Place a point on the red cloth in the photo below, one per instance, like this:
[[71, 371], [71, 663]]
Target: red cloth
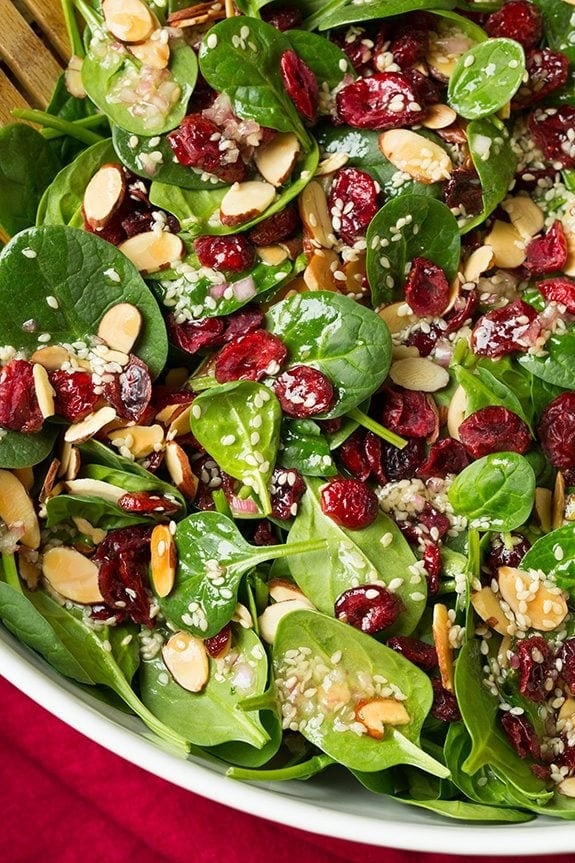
[[68, 800]]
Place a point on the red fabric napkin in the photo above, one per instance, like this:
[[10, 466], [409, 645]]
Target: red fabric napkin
[[66, 799]]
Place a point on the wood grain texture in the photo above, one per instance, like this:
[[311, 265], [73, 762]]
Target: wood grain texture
[[46, 14], [31, 64]]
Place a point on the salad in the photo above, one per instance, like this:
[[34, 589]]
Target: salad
[[287, 388]]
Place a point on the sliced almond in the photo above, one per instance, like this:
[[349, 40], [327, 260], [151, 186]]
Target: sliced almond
[[543, 504], [445, 46], [104, 195], [415, 155], [154, 53], [128, 20], [47, 490], [456, 412], [402, 352], [269, 620], [73, 464], [73, 77], [567, 710], [88, 427], [394, 317], [192, 16], [507, 244], [503, 651], [29, 568], [440, 628], [16, 508], [44, 390], [545, 608], [355, 277], [419, 373], [331, 163], [273, 256], [180, 424], [439, 116], [164, 560], [187, 661], [377, 713], [319, 273], [314, 212], [282, 590], [153, 250], [488, 607], [25, 475], [245, 201], [558, 502], [275, 160], [96, 534], [52, 357], [180, 471], [120, 326], [478, 262], [526, 217], [242, 616], [72, 575], [567, 786], [142, 441], [95, 488], [569, 268]]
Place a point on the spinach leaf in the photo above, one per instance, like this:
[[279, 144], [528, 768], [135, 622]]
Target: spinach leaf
[[558, 22], [355, 557], [484, 389], [212, 716], [349, 343], [99, 512], [338, 12], [495, 163], [554, 554], [486, 77], [557, 366], [238, 424], [245, 756], [325, 59], [305, 448], [340, 665], [27, 167], [495, 492], [133, 482], [462, 810], [23, 450], [212, 558], [67, 264], [405, 228]]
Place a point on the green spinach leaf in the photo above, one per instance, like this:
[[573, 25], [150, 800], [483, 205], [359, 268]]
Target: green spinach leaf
[[305, 448], [486, 78], [554, 554], [557, 366], [23, 450], [495, 163]]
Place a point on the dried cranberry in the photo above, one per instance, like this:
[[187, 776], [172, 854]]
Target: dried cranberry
[[559, 290], [445, 457], [245, 320], [536, 667], [463, 192], [355, 44], [386, 100], [287, 489], [408, 46], [369, 607], [130, 390], [432, 561], [514, 327], [429, 522], [521, 735], [551, 128], [264, 533], [123, 558], [353, 456], [250, 357], [501, 552], [517, 19], [352, 202], [276, 228], [547, 253], [494, 429], [300, 83], [427, 91], [555, 431], [409, 413], [444, 705], [233, 252], [74, 396], [547, 70], [197, 144], [419, 652], [425, 340], [210, 477], [217, 644], [146, 503], [373, 452], [304, 391], [192, 336], [282, 17], [19, 408], [566, 654], [426, 289], [349, 502], [461, 313], [402, 463]]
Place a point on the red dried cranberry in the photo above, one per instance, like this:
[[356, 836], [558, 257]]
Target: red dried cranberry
[[353, 456], [425, 341], [536, 668], [300, 83], [402, 463], [276, 228], [559, 290], [494, 429], [517, 19], [547, 70], [547, 253], [419, 652], [521, 735], [250, 357], [245, 320], [141, 220], [444, 705], [19, 408], [196, 144], [504, 553], [123, 559], [282, 17], [304, 391], [566, 654], [145, 503], [349, 502], [192, 336], [365, 104], [445, 457], [373, 453], [463, 192], [426, 288], [217, 644], [355, 44], [550, 128], [130, 390], [408, 46], [264, 533], [287, 489], [369, 607], [210, 478], [514, 327], [555, 431], [409, 413], [419, 526], [432, 561], [233, 252], [352, 202], [461, 313]]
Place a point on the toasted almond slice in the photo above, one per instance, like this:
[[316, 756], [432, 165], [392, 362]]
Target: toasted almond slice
[[567, 710], [569, 268], [242, 616], [96, 534], [16, 508], [187, 661], [74, 463], [95, 488], [402, 352], [282, 590], [81, 431], [319, 273], [355, 277], [445, 46], [269, 620], [47, 489], [179, 468], [272, 255], [507, 244], [440, 628], [44, 390], [29, 568], [505, 648], [72, 575], [543, 504], [154, 53], [394, 320], [120, 327], [51, 357], [558, 502], [439, 116], [163, 560], [480, 260], [25, 475], [314, 212], [245, 201], [377, 713], [456, 412], [488, 607], [73, 77], [180, 424], [413, 154], [104, 195], [567, 786], [153, 250], [419, 373], [275, 160], [200, 13], [128, 20], [331, 163], [545, 607], [526, 217], [142, 441]]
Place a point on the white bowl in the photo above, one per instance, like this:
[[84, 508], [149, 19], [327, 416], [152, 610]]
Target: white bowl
[[331, 805]]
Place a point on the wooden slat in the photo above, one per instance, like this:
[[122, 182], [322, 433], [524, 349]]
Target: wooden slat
[[10, 98], [48, 16], [29, 60]]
